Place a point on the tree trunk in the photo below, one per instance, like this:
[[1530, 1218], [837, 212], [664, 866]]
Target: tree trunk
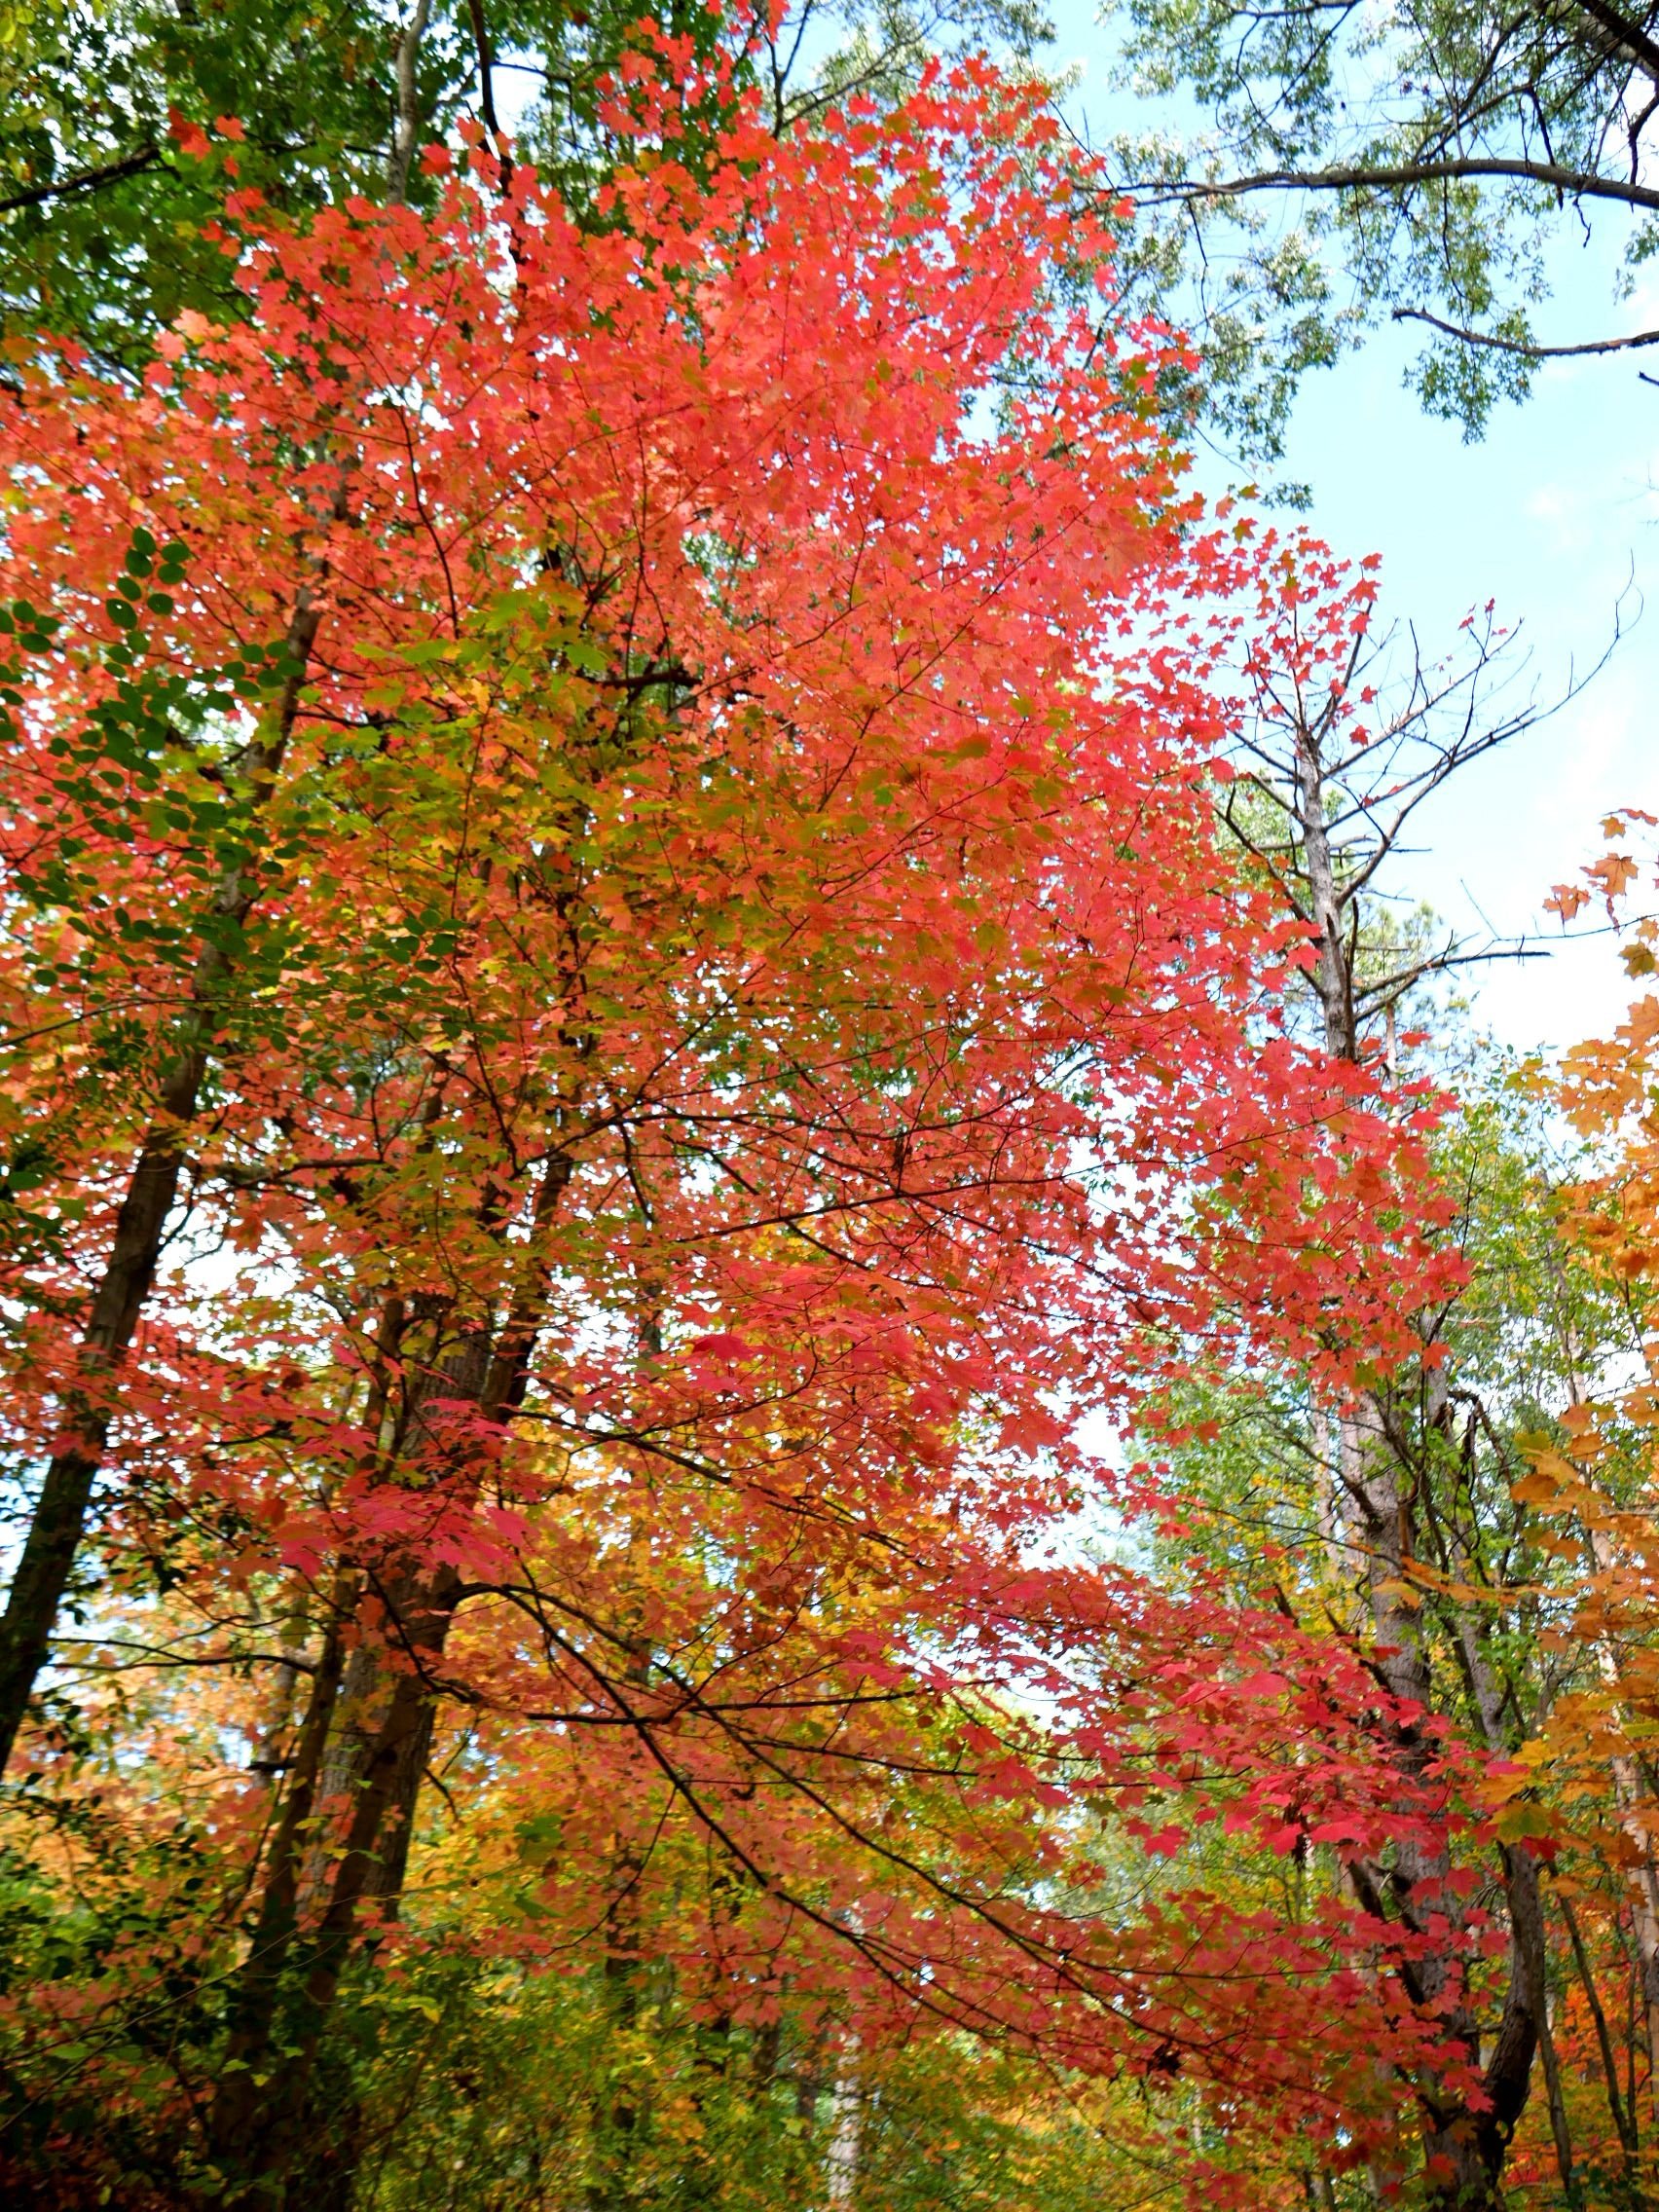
[[260, 1988], [371, 1754], [260, 2129], [344, 1844], [846, 2134], [1465, 2151], [59, 1517], [1641, 1877]]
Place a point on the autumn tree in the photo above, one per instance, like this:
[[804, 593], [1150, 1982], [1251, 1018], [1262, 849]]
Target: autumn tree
[[630, 879], [1399, 1522]]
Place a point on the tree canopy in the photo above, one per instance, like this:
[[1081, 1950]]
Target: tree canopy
[[1425, 163], [786, 1417]]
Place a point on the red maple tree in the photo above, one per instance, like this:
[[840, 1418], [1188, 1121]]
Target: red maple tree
[[613, 825]]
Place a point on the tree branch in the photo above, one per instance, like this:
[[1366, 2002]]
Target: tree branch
[[87, 180], [1630, 38], [1523, 348], [1581, 184], [486, 67]]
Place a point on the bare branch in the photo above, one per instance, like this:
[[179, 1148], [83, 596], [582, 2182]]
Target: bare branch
[[1577, 184], [1524, 348], [86, 180]]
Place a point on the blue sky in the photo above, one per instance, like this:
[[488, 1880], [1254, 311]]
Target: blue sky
[[1553, 516]]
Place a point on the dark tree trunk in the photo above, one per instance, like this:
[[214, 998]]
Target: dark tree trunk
[[372, 1751], [59, 1517], [61, 1511]]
